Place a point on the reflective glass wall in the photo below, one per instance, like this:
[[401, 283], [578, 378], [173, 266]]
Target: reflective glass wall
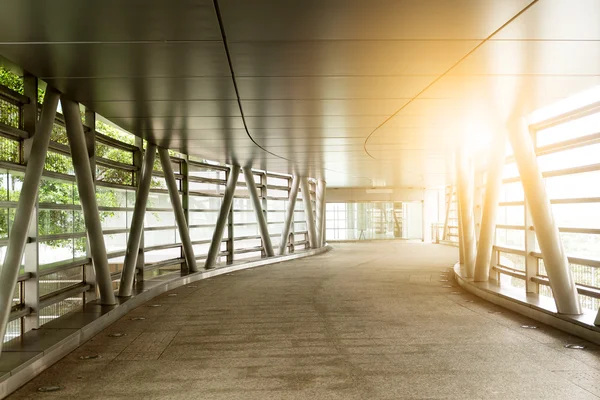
[[374, 220]]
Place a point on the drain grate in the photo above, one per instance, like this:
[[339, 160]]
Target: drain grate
[[48, 389]]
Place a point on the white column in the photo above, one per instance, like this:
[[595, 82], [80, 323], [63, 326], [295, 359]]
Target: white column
[[546, 230], [465, 202]]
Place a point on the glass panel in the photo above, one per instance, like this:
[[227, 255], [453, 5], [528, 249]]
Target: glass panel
[[511, 215], [510, 238], [60, 280], [514, 261], [61, 308]]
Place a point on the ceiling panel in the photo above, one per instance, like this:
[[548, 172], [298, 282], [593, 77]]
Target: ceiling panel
[[315, 78], [294, 20], [557, 20], [107, 20], [347, 58], [118, 60]]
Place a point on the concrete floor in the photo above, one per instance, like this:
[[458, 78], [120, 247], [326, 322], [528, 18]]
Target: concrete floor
[[364, 321]]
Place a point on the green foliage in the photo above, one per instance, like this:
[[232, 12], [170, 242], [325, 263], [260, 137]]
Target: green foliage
[[55, 191]]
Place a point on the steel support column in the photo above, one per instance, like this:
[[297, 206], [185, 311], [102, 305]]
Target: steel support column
[[490, 207], [25, 207], [447, 216], [90, 141], [461, 240], [260, 216], [215, 244], [137, 223], [289, 215], [321, 189], [546, 230], [465, 202], [308, 212], [87, 194], [184, 233]]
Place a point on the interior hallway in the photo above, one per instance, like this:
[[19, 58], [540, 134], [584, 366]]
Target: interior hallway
[[363, 321]]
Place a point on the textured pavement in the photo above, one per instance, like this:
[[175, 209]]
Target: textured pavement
[[364, 321]]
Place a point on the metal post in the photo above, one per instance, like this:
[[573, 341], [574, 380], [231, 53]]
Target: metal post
[[308, 212], [531, 262], [184, 233], [138, 160], [321, 187], [87, 194], [447, 216], [90, 141], [289, 214], [215, 244], [465, 202], [546, 230], [137, 223], [461, 240], [31, 287], [260, 216], [477, 204], [490, 208], [25, 208]]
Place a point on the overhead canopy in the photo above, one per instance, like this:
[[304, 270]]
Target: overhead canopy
[[362, 93]]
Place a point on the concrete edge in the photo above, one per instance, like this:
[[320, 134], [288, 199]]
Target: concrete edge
[[29, 369], [565, 323]]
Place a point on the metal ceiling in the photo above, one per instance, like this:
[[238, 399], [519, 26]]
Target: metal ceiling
[[316, 79]]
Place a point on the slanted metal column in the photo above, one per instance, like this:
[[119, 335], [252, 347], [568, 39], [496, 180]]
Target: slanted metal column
[[25, 208], [90, 141], [447, 216], [137, 223], [31, 286], [308, 212], [461, 240], [321, 187], [260, 216], [215, 244], [465, 202], [490, 208], [87, 194], [184, 233], [546, 230], [289, 215]]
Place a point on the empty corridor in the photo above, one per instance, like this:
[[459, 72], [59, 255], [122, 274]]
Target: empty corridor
[[363, 321]]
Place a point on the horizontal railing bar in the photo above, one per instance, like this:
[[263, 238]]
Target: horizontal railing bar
[[11, 96], [206, 194], [248, 250], [108, 163], [195, 210], [24, 277], [73, 264], [573, 260], [512, 227], [578, 200], [161, 174], [162, 247], [590, 231], [160, 228], [64, 207], [115, 209], [158, 209], [208, 166], [109, 141], [510, 271], [581, 289], [115, 185], [511, 203], [63, 294], [510, 250], [19, 311], [12, 132], [60, 148], [246, 237], [200, 179], [566, 117], [116, 254], [278, 187], [164, 263], [60, 236], [115, 231], [568, 144]]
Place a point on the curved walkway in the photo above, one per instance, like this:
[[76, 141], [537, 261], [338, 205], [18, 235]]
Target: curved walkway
[[364, 321]]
